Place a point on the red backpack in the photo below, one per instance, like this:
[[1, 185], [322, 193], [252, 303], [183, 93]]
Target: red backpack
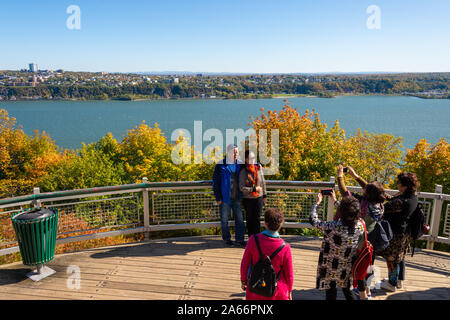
[[360, 268]]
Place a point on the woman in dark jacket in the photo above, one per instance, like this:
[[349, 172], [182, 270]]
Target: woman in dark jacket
[[253, 188], [397, 212]]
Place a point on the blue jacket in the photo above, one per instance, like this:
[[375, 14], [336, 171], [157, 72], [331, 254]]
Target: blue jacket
[[222, 181]]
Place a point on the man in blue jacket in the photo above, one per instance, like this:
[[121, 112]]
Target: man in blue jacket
[[228, 195]]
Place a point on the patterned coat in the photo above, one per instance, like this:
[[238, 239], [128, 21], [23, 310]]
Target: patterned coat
[[338, 252]]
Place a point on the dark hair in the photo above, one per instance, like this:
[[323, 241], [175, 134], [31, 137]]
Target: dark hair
[[409, 180], [349, 209], [274, 218], [374, 192]]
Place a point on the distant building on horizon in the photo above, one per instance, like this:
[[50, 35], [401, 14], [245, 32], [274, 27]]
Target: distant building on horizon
[[33, 67]]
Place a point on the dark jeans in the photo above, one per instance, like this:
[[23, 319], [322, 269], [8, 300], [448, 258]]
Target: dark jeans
[[253, 209], [396, 272], [225, 212], [331, 294]]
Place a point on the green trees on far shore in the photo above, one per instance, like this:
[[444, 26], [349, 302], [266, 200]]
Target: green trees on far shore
[[236, 86]]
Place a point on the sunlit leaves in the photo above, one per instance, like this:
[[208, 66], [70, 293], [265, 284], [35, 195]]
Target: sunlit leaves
[[311, 151], [431, 164]]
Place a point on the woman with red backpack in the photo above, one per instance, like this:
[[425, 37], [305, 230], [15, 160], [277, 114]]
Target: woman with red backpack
[[344, 242], [372, 209]]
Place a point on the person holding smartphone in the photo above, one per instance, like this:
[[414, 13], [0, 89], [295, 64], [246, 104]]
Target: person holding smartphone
[[397, 212], [342, 241], [372, 210]]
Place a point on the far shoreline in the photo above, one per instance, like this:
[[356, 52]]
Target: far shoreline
[[276, 96]]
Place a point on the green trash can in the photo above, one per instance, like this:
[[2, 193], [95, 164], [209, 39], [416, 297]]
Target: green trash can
[[36, 233]]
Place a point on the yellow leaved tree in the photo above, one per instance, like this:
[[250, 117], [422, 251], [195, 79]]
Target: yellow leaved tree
[[430, 163]]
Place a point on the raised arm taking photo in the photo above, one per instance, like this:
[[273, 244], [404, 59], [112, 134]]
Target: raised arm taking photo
[[341, 182], [314, 219]]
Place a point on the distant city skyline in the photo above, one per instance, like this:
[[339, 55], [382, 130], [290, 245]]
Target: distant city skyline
[[231, 37], [33, 67]]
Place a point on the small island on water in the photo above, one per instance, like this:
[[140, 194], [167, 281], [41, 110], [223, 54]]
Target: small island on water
[[34, 84]]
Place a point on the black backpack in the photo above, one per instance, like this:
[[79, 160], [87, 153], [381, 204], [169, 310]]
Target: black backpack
[[416, 225], [263, 279], [381, 235]]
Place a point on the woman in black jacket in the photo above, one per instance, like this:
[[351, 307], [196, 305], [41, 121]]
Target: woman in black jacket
[[397, 212]]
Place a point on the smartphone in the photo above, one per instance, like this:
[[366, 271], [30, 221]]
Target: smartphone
[[345, 169], [326, 192]]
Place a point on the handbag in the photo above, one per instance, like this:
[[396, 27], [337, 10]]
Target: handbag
[[362, 265]]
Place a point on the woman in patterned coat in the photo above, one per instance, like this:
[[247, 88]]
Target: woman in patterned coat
[[341, 242]]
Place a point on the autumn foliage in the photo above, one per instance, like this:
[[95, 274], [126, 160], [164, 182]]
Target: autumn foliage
[[309, 150], [431, 164]]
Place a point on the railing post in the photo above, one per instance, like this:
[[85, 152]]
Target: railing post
[[330, 202], [36, 203], [435, 217], [146, 205]]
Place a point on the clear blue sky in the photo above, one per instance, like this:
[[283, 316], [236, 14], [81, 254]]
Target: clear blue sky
[[226, 35]]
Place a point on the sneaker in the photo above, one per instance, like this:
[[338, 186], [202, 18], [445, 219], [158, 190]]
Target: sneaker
[[241, 243], [386, 285], [399, 284], [229, 243], [369, 295]]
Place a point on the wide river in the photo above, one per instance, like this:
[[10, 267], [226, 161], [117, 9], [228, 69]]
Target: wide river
[[70, 123]]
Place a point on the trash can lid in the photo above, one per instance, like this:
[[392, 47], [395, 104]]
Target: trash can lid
[[34, 214]]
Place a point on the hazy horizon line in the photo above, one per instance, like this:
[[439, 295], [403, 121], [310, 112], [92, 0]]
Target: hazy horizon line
[[169, 72]]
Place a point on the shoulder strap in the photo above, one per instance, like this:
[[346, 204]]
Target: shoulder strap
[[365, 230], [259, 248], [273, 254], [277, 251]]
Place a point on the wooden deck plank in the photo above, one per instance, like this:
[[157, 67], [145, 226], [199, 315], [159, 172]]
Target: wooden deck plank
[[199, 268], [233, 272]]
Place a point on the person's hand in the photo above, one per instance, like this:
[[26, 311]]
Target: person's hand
[[219, 203], [319, 198], [243, 286], [290, 295], [333, 195], [352, 172], [340, 171], [258, 189], [264, 200]]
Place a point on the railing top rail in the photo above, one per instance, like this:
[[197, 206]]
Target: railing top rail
[[7, 202], [76, 192], [429, 195]]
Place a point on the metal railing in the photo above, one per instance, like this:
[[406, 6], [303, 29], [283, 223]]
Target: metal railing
[[155, 206]]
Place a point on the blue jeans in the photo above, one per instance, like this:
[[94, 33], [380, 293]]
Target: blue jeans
[[225, 211]]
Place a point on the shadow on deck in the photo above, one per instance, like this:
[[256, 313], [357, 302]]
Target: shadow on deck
[[197, 268]]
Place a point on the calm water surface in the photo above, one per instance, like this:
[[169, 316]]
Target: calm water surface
[[70, 123]]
